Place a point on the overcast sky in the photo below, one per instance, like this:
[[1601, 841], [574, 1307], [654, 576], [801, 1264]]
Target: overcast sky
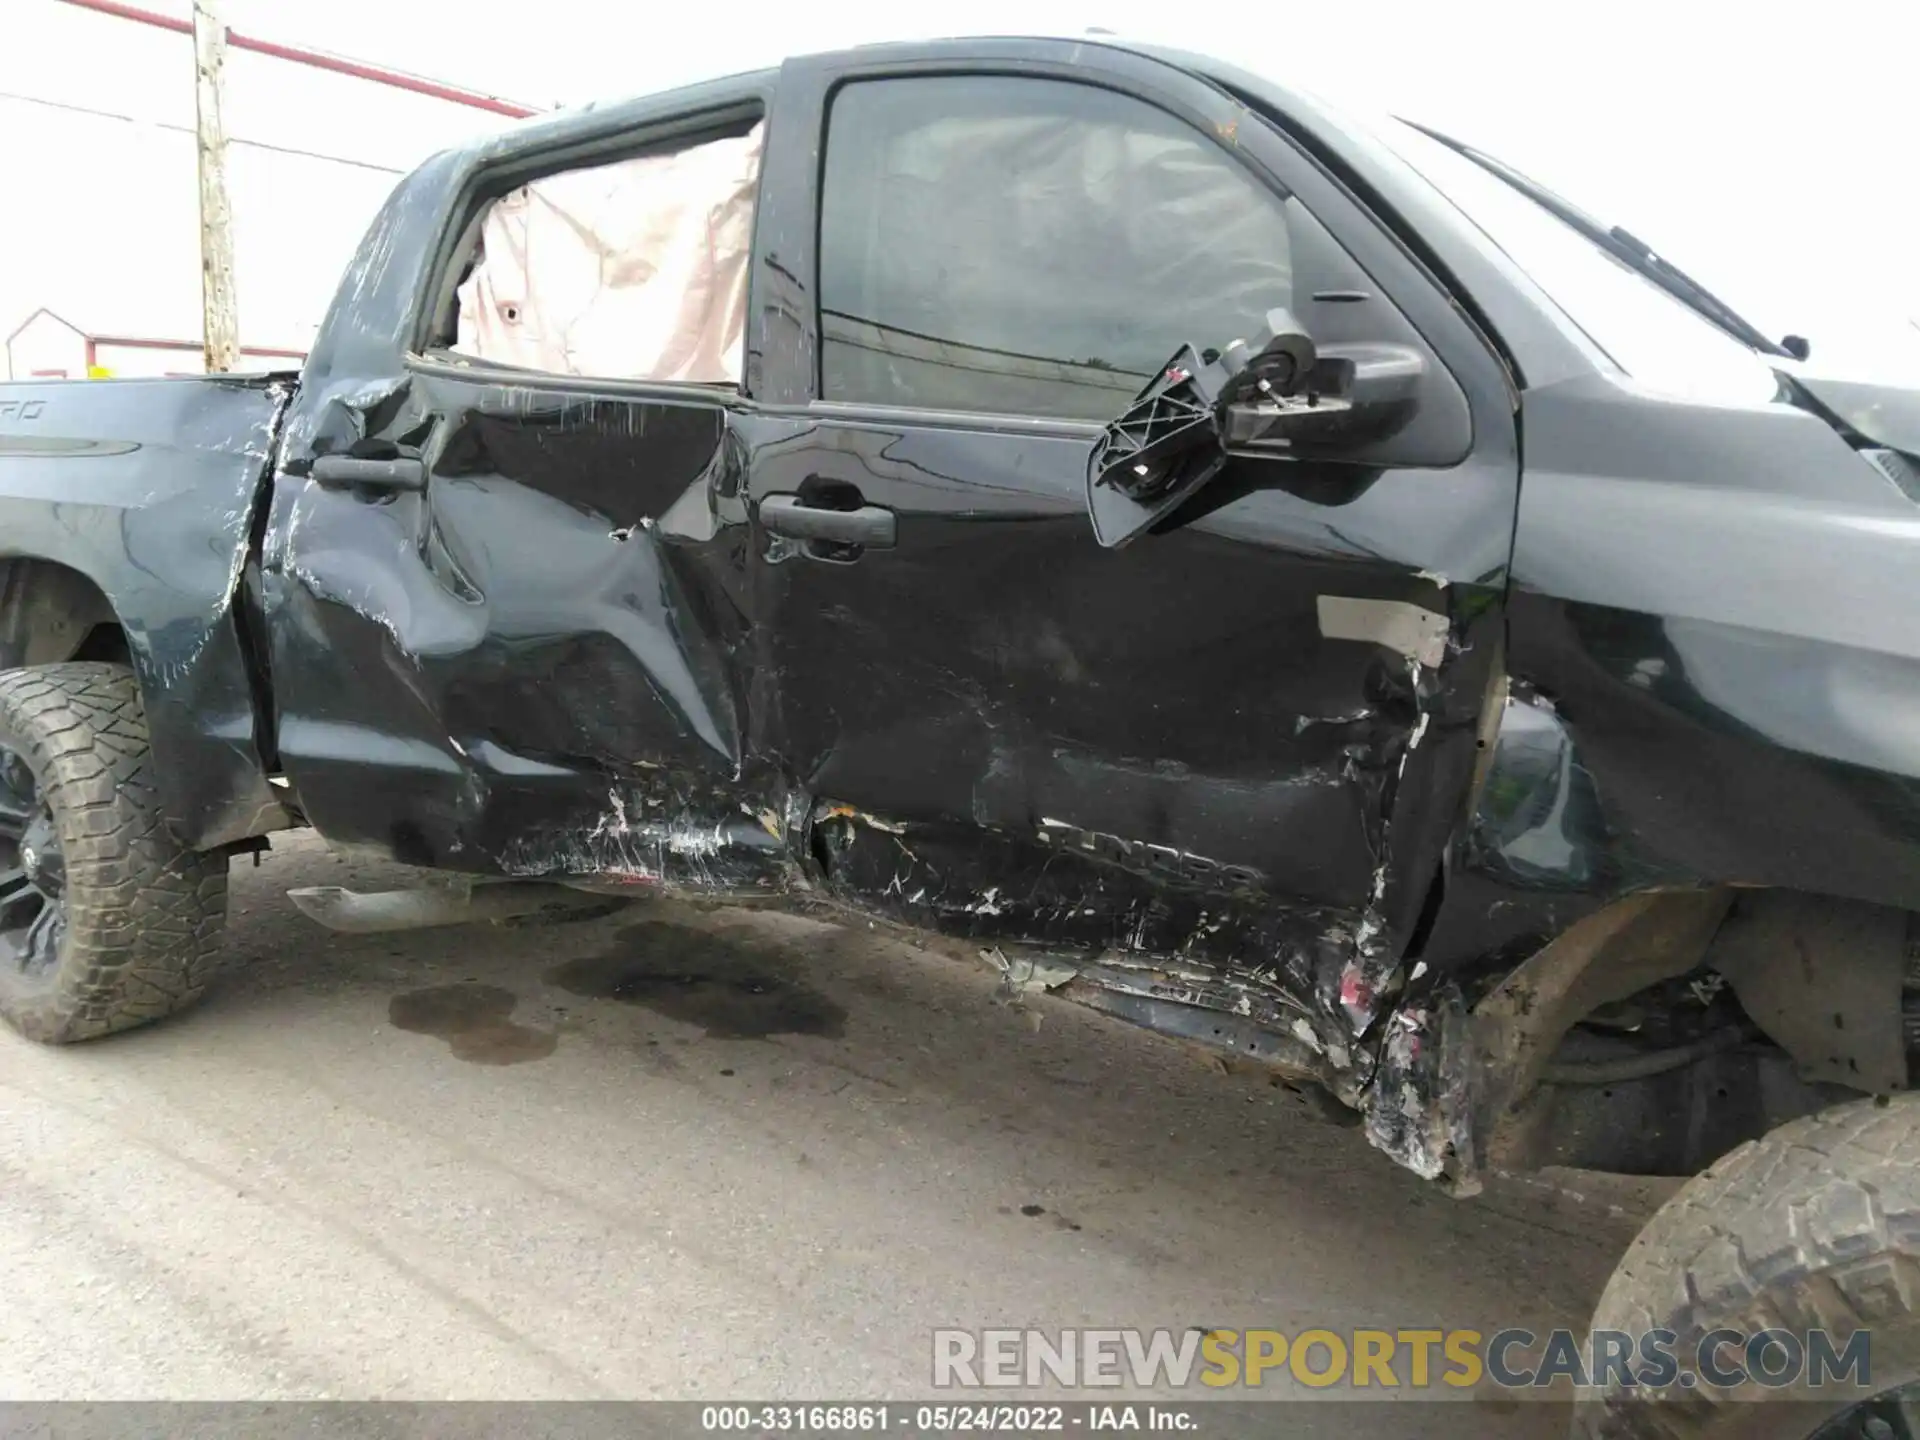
[[1770, 149]]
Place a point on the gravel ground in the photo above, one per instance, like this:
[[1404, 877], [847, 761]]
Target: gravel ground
[[681, 1152]]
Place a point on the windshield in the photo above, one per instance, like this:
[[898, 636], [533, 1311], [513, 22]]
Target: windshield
[[1647, 332]]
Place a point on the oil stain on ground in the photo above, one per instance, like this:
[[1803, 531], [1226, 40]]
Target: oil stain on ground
[[473, 1020], [700, 979]]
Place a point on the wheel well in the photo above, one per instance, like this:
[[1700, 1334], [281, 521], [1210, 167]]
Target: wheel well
[[50, 612], [1628, 994]]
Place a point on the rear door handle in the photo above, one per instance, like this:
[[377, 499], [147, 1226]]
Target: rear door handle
[[341, 472], [870, 525]]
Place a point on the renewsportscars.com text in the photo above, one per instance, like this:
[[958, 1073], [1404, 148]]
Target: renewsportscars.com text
[[1404, 1359]]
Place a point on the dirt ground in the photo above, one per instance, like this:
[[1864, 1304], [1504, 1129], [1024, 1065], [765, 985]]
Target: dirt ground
[[689, 1153]]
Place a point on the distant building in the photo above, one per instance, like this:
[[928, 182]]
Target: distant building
[[102, 235], [51, 347]]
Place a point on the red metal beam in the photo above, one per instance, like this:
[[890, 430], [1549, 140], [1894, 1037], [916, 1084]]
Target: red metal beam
[[318, 60], [379, 75], [134, 12]]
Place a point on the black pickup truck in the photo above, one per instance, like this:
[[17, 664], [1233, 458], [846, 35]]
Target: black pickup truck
[[1281, 578]]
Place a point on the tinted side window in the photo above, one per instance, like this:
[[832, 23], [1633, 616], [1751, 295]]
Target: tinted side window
[[1024, 246]]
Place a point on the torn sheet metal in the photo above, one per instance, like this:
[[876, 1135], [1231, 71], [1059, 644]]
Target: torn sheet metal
[[1183, 959], [1029, 974], [1242, 1015], [656, 837], [1190, 951], [1235, 1034], [1418, 1103], [1151, 859]]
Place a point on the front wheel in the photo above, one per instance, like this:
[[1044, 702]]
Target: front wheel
[[106, 921], [1814, 1227]]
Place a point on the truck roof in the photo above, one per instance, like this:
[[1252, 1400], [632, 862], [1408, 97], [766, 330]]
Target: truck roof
[[596, 114]]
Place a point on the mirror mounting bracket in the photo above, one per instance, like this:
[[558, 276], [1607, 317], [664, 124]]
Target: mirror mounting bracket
[[1184, 425]]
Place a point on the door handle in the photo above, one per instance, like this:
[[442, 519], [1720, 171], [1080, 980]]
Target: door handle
[[870, 525], [341, 472]]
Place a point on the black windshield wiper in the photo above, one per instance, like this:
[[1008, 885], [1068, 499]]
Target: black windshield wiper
[[1682, 286], [1624, 246]]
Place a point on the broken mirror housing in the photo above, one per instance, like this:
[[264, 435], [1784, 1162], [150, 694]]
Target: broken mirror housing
[[1183, 426]]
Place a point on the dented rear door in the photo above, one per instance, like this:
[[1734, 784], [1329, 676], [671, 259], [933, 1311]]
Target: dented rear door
[[528, 664], [1230, 753], [507, 609]]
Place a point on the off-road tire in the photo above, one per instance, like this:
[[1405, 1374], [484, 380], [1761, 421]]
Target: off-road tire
[[144, 916], [1815, 1225]]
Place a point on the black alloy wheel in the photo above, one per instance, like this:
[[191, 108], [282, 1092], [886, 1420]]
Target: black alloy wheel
[[33, 872]]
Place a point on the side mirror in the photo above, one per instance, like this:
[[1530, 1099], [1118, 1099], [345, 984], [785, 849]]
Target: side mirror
[[1263, 399]]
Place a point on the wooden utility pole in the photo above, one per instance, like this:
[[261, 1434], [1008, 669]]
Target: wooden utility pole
[[220, 323]]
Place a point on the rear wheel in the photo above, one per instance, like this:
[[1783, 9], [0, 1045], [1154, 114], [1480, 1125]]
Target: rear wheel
[[106, 921]]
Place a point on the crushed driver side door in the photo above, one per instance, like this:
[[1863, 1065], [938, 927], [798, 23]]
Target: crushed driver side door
[[1213, 770]]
